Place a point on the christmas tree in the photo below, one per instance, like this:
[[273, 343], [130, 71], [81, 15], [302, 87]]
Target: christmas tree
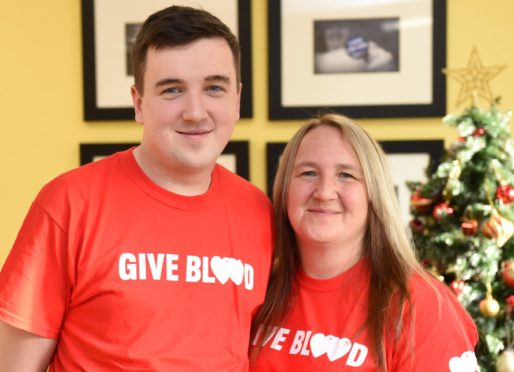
[[462, 226]]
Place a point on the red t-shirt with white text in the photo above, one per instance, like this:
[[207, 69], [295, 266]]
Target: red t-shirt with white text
[[129, 276], [323, 330]]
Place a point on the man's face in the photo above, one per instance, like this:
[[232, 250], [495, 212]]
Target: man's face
[[189, 107]]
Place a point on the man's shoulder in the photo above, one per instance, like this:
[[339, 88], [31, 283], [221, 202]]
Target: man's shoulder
[[239, 186], [76, 180]]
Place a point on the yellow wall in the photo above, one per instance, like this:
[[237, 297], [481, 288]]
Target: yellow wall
[[41, 94]]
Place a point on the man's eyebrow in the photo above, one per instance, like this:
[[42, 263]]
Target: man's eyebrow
[[211, 78], [221, 78], [168, 81]]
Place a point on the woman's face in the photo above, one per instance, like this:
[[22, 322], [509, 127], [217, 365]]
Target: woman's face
[[327, 199]]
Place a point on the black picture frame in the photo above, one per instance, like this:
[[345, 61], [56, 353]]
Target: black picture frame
[[91, 56], [431, 151], [404, 158], [90, 152], [236, 153], [399, 93]]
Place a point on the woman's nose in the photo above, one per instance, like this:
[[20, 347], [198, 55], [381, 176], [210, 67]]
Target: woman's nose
[[326, 189]]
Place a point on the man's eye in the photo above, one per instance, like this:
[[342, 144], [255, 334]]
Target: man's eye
[[171, 90], [215, 88]]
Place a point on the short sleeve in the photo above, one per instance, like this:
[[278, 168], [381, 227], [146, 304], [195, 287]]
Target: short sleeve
[[34, 288], [440, 335]]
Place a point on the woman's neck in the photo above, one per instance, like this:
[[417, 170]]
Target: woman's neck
[[323, 261]]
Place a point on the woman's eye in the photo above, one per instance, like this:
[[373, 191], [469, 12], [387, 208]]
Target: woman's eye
[[308, 174], [345, 175]]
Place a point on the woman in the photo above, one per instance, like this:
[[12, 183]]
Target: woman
[[346, 291]]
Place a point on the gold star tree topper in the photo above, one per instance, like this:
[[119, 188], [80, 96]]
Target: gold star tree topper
[[474, 79]]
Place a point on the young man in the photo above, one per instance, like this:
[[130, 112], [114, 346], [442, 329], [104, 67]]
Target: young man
[[154, 258]]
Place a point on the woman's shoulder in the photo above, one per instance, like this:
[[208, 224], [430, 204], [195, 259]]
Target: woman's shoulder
[[437, 333], [433, 302], [428, 292]]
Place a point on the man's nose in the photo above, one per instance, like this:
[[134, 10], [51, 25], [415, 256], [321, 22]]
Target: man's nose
[[194, 107]]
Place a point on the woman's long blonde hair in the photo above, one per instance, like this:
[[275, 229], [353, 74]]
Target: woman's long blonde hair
[[386, 244]]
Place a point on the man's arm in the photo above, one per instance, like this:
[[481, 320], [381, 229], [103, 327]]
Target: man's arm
[[23, 351]]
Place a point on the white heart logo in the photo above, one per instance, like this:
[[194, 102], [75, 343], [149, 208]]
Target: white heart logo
[[467, 362], [333, 346], [227, 267]]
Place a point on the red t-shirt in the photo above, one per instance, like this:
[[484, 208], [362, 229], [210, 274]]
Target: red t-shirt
[[129, 276], [322, 331]]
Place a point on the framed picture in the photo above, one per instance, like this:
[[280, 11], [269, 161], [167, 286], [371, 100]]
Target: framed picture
[[362, 58], [90, 152], [235, 156], [408, 161], [109, 29]]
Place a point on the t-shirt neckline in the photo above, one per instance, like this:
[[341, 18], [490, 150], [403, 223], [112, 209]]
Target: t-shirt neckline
[[335, 283], [162, 195]]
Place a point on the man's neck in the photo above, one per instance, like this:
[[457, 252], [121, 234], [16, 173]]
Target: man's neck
[[181, 183]]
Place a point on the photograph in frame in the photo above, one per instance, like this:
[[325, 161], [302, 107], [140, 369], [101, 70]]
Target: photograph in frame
[[366, 59], [109, 30]]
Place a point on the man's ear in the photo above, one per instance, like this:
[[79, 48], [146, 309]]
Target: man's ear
[[137, 100], [239, 99]]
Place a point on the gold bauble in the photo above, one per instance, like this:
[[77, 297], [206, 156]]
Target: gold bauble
[[489, 307], [505, 362]]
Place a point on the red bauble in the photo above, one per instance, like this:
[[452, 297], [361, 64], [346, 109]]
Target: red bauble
[[509, 305], [508, 272], [426, 262], [416, 226], [421, 204], [441, 211], [469, 227], [479, 132], [457, 286], [505, 193], [510, 300]]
